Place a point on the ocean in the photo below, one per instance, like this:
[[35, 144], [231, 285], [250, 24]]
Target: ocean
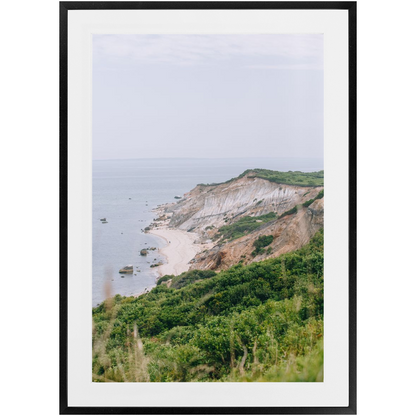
[[126, 191]]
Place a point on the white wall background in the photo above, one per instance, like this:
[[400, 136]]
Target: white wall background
[[29, 133]]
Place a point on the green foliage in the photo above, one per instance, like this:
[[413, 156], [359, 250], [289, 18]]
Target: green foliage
[[310, 201], [243, 226], [164, 278], [263, 241], [289, 178], [261, 322], [291, 211], [260, 243], [296, 178], [296, 368], [192, 276]]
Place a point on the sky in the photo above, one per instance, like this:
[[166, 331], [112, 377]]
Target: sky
[[207, 96]]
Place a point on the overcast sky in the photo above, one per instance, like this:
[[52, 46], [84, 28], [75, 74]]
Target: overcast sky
[[207, 96]]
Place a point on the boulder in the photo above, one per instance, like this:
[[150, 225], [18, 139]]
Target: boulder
[[126, 269]]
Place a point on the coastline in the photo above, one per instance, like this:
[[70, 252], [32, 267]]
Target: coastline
[[180, 249], [180, 246]]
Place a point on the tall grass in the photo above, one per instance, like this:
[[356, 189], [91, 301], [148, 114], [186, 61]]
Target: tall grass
[[261, 322]]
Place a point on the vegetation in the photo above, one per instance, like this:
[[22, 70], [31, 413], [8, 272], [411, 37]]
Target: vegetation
[[243, 226], [192, 276], [260, 243], [261, 322], [288, 178], [291, 211], [164, 278], [310, 201], [186, 278]]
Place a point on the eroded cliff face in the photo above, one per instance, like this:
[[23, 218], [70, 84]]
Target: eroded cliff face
[[208, 207], [289, 233]]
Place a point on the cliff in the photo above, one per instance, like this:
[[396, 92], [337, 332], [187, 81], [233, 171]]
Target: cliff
[[220, 213]]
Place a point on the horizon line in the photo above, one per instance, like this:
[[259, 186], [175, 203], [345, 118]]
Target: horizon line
[[208, 158]]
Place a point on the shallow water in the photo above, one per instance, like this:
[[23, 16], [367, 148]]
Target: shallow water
[[125, 192]]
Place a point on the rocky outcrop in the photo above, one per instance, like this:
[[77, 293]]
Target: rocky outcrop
[[126, 269], [289, 233], [207, 208], [215, 205]]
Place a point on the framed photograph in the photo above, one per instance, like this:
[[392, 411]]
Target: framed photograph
[[199, 144]]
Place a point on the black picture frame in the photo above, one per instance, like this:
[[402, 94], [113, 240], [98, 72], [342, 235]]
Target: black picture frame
[[351, 8]]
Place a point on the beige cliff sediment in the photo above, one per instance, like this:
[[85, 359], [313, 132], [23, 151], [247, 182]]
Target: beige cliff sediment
[[206, 208]]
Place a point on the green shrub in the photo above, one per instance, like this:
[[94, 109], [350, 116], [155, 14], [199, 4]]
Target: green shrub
[[187, 278], [261, 322], [291, 211], [260, 243], [244, 226], [310, 201], [164, 278], [288, 178]]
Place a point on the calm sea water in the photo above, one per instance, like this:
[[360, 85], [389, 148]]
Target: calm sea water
[[125, 192]]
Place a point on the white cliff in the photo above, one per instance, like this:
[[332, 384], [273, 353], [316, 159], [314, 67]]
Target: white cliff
[[208, 207]]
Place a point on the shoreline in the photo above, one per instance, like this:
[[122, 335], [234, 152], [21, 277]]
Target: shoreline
[[179, 250], [180, 247]]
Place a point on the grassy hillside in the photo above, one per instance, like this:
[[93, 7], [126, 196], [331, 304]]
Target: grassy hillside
[[296, 178], [290, 178], [261, 322]]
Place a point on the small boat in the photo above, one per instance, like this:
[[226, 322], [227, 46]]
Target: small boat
[[103, 219], [104, 222], [177, 197]]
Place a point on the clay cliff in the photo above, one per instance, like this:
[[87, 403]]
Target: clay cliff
[[295, 214]]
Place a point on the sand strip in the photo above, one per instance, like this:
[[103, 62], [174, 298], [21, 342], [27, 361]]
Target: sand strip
[[179, 250]]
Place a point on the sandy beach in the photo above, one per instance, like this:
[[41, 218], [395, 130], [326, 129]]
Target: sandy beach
[[179, 250]]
